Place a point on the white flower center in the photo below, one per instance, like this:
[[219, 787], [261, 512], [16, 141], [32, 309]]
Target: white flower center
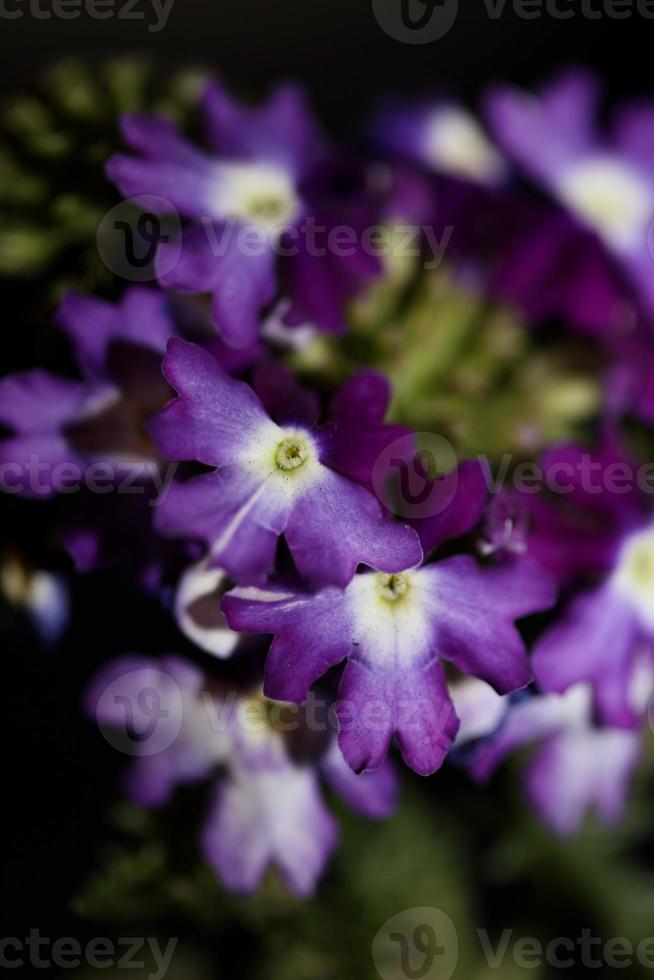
[[635, 574], [611, 198], [390, 616], [259, 194], [458, 145]]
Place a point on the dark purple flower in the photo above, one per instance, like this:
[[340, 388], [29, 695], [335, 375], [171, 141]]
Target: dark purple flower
[[60, 426], [394, 630], [40, 456], [440, 136], [605, 181], [141, 318], [249, 197], [595, 528], [275, 479]]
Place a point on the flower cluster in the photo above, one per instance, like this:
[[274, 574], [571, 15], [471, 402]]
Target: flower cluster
[[230, 443]]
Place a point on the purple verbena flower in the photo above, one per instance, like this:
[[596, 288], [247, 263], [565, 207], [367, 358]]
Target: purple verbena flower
[[394, 630], [597, 531], [292, 478], [605, 181], [248, 195], [60, 425], [440, 136]]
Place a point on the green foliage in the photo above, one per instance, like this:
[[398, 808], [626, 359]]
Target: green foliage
[[54, 142], [463, 369]]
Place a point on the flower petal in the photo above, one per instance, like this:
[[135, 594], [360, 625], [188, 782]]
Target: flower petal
[[213, 418], [595, 640], [376, 702], [336, 525], [262, 817], [476, 609]]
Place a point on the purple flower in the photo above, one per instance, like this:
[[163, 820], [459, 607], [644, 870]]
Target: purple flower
[[40, 456], [605, 181], [266, 807], [440, 136], [98, 329], [576, 766], [394, 630], [59, 425], [291, 478], [249, 195], [598, 528], [541, 259], [269, 810]]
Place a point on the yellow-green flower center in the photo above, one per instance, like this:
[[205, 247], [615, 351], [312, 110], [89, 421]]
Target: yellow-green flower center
[[291, 453], [392, 587], [267, 207], [640, 565], [635, 573]]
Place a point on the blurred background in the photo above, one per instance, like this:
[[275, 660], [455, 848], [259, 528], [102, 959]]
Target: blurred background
[[477, 854]]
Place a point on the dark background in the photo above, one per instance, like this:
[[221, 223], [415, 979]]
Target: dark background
[[59, 772], [337, 48]]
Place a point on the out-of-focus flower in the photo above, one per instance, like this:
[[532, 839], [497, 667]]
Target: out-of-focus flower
[[576, 766], [606, 182], [440, 136], [266, 807], [43, 595], [60, 425], [54, 137], [251, 197], [595, 529]]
